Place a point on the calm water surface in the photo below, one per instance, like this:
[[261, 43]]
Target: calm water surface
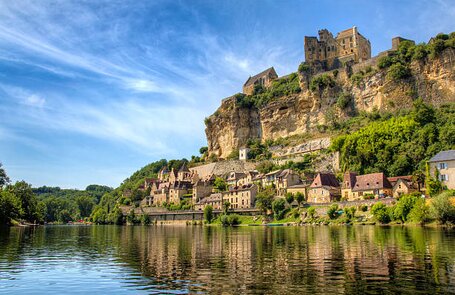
[[212, 260]]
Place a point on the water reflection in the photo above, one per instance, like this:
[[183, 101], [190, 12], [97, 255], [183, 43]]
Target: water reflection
[[246, 260]]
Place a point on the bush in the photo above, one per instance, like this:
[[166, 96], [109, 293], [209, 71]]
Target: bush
[[380, 212], [420, 212], [363, 208], [398, 71], [289, 198], [385, 62], [208, 214], [311, 212], [343, 100], [357, 78], [442, 207], [304, 68], [350, 212], [332, 212], [230, 220], [279, 208], [145, 219], [319, 83], [404, 207]]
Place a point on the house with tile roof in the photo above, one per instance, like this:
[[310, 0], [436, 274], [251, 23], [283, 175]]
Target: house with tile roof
[[325, 188], [357, 187], [264, 78], [285, 179], [444, 163]]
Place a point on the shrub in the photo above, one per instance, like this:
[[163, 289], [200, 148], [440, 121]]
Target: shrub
[[343, 100], [385, 62], [363, 208], [319, 83], [311, 212], [289, 198], [299, 197], [230, 220], [279, 208], [350, 212], [380, 212], [304, 68], [208, 214], [398, 71], [420, 52], [442, 208], [420, 212], [145, 219], [357, 78], [332, 212], [404, 207]]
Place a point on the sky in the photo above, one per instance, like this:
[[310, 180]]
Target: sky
[[91, 91]]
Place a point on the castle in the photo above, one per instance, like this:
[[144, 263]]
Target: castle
[[348, 46]]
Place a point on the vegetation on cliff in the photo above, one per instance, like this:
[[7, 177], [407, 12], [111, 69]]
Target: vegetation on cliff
[[262, 96], [398, 144]]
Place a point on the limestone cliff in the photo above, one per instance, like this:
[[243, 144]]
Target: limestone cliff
[[367, 87]]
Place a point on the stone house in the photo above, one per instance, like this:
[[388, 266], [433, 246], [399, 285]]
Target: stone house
[[324, 189], [402, 185], [215, 200], [356, 187], [332, 52], [298, 188], [444, 162], [270, 178], [201, 190], [285, 179], [235, 178], [241, 197], [264, 78]]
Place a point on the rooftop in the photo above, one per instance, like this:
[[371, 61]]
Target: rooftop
[[443, 156]]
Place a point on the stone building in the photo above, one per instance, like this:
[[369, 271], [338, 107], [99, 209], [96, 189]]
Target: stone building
[[215, 200], [286, 179], [356, 187], [402, 185], [241, 197], [264, 78], [332, 52], [324, 189], [444, 162]]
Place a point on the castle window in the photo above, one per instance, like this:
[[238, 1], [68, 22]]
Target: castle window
[[352, 50], [350, 39]]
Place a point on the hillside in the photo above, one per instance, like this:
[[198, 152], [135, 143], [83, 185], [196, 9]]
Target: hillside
[[308, 103]]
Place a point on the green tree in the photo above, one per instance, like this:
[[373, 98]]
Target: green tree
[[85, 205], [299, 197], [311, 212], [4, 179], [350, 212], [279, 208], [10, 207], [226, 206], [203, 150], [420, 212], [208, 214], [264, 200], [380, 212], [64, 216], [24, 192], [289, 198], [404, 207], [220, 184], [332, 212], [116, 216], [442, 207], [145, 219]]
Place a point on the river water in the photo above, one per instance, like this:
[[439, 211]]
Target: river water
[[215, 260]]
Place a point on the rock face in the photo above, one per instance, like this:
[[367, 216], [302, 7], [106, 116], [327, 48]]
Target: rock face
[[231, 126]]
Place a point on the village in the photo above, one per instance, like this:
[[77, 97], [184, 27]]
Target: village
[[236, 183], [203, 186]]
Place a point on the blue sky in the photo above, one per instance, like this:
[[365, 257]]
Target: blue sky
[[91, 91]]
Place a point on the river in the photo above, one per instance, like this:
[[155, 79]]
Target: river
[[216, 260]]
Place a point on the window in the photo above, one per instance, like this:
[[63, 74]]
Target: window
[[443, 177], [442, 165]]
